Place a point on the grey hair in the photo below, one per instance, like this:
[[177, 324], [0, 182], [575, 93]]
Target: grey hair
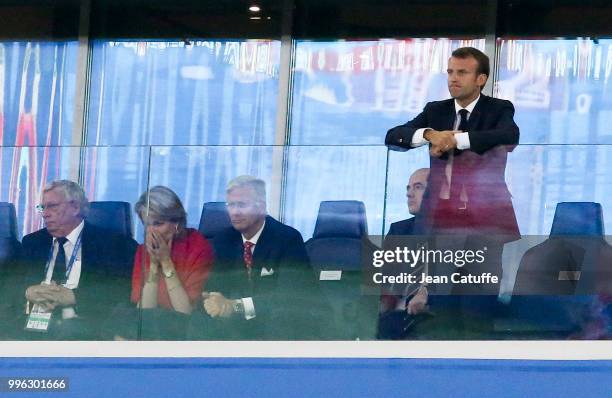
[[258, 185], [164, 203], [72, 192]]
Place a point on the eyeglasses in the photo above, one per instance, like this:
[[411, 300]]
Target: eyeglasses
[[240, 205], [49, 206]]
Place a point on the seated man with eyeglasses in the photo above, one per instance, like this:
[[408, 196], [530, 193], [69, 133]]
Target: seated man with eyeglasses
[[261, 286], [74, 274]]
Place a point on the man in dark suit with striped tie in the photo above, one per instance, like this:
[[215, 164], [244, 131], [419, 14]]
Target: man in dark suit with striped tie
[[261, 286]]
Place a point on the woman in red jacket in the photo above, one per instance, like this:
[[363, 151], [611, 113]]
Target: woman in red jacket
[[171, 267]]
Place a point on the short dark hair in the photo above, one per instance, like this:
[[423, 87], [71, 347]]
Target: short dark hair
[[481, 58]]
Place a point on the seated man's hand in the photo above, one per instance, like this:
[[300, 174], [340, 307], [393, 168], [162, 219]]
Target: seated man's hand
[[216, 305], [441, 141], [64, 297], [35, 293], [50, 296], [418, 302]]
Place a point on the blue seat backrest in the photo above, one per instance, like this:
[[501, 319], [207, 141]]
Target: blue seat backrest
[[338, 244], [543, 301], [337, 241], [341, 219], [214, 219], [578, 219], [112, 215], [8, 221]]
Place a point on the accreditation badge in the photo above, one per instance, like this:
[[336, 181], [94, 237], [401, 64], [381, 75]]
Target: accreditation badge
[[38, 319]]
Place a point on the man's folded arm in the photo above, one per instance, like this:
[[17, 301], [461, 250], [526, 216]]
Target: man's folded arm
[[408, 135], [505, 132]]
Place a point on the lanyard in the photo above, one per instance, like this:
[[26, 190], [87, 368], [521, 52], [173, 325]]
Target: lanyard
[[73, 256]]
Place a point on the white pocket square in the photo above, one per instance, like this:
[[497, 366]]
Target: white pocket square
[[267, 272]]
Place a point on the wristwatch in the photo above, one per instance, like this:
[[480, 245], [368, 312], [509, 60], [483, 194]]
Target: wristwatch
[[169, 273], [238, 306]]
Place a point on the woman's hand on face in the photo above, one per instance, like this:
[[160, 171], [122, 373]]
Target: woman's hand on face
[[152, 248], [162, 246]]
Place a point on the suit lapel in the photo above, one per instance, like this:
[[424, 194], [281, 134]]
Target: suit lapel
[[263, 247], [237, 250], [41, 254], [86, 245], [451, 115], [476, 112]]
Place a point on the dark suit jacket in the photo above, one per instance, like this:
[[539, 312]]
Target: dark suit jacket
[[107, 259], [403, 227], [492, 134], [283, 299]]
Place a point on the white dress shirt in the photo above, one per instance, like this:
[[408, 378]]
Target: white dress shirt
[[247, 302], [463, 142], [463, 139], [73, 277]]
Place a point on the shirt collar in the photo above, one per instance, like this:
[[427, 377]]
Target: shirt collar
[[469, 108], [74, 235], [255, 237]]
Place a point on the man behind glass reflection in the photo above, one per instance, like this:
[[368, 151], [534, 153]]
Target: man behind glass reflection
[[417, 184], [260, 286], [413, 303], [469, 137], [79, 288]]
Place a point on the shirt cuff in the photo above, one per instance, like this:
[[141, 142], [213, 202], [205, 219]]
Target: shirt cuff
[[249, 308], [463, 140], [418, 139], [68, 313]]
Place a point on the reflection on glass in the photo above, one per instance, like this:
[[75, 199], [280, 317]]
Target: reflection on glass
[[37, 81], [352, 92], [560, 89], [539, 177], [116, 174], [316, 174], [24, 173], [200, 174], [184, 93]]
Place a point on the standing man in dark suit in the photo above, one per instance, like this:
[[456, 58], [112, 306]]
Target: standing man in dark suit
[[469, 137], [75, 273], [260, 285]]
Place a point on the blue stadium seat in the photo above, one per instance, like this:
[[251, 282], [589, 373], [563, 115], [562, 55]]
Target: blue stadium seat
[[8, 220], [336, 243], [214, 219], [578, 219], [9, 244], [558, 279], [335, 251], [111, 215]]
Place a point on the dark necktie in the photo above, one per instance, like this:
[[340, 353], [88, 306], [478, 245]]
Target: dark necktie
[[59, 267], [463, 124], [458, 164], [247, 255]]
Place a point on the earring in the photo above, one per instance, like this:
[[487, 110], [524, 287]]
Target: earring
[[176, 229]]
